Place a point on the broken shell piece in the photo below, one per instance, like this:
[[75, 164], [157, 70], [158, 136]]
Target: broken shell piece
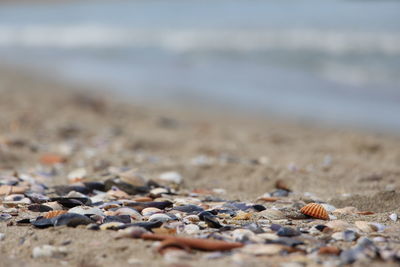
[[86, 210], [316, 211], [366, 226], [159, 217], [271, 214], [54, 213]]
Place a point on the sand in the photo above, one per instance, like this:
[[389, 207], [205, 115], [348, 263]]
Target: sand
[[245, 156]]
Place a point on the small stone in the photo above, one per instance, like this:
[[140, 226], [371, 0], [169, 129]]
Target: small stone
[[5, 217], [159, 217], [349, 235], [86, 210], [2, 236], [49, 251]]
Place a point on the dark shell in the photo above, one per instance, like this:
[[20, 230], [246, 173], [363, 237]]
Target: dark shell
[[320, 227], [95, 186], [39, 208], [255, 228], [70, 202], [275, 227], [212, 221], [280, 193], [118, 218], [71, 220], [127, 188], [258, 207], [139, 206], [204, 214], [288, 231], [290, 242], [65, 189], [37, 198], [43, 222], [193, 209], [146, 225]]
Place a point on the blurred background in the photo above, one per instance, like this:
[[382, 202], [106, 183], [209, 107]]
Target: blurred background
[[332, 61]]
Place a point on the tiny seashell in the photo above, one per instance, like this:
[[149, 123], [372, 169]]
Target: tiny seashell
[[5, 217], [128, 211], [131, 232], [86, 210], [191, 229], [171, 177], [365, 212], [191, 219], [268, 199], [243, 216], [159, 217], [157, 192], [54, 213], [150, 211], [328, 207], [288, 231], [111, 225], [242, 235], [338, 225], [315, 210], [271, 214], [393, 217], [365, 226]]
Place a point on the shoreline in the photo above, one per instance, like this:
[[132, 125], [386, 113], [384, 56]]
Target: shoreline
[[243, 158]]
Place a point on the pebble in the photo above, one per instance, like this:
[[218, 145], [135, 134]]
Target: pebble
[[2, 236]]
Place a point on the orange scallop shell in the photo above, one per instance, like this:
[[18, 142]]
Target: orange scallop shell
[[315, 210], [54, 213]]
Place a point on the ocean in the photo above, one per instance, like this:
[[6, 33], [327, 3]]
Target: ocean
[[330, 61]]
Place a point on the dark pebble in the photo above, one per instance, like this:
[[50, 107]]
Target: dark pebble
[[118, 218], [192, 209], [71, 220], [258, 207], [275, 227]]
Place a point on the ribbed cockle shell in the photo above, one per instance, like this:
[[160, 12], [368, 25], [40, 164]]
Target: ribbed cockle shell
[[315, 210]]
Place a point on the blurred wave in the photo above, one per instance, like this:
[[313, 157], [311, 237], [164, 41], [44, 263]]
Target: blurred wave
[[78, 36]]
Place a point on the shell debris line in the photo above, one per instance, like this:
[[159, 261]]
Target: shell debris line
[[189, 224]]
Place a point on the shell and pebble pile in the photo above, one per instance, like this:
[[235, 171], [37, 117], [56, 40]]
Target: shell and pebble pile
[[184, 224]]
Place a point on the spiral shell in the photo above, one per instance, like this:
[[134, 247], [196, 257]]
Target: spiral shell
[[54, 213], [315, 210]]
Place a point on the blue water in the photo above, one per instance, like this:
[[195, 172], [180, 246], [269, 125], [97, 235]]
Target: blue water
[[332, 61]]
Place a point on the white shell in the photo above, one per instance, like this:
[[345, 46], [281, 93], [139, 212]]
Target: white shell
[[160, 217], [393, 217], [85, 210], [127, 211], [191, 229], [171, 177], [150, 211]]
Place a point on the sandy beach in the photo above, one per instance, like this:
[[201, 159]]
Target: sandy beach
[[243, 157]]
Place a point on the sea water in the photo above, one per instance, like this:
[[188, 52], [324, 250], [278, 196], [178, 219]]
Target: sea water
[[333, 61]]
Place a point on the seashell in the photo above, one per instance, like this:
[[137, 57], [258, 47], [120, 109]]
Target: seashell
[[329, 251], [191, 229], [288, 231], [281, 184], [150, 211], [139, 206], [43, 223], [71, 220], [157, 192], [189, 209], [54, 213], [191, 219], [39, 208], [132, 177], [269, 199], [393, 217], [365, 212], [328, 208], [366, 226], [242, 235], [117, 218], [196, 243], [128, 211], [159, 217], [315, 210], [163, 230], [131, 232], [271, 214], [111, 226], [171, 177], [243, 216], [117, 193], [142, 199], [5, 217], [54, 205], [10, 189], [148, 225], [86, 210], [70, 202], [77, 175]]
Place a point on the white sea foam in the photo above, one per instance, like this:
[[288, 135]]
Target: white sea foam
[[97, 36]]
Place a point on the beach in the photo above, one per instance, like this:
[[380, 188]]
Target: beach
[[242, 157]]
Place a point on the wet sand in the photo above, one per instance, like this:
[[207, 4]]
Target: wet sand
[[243, 156]]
